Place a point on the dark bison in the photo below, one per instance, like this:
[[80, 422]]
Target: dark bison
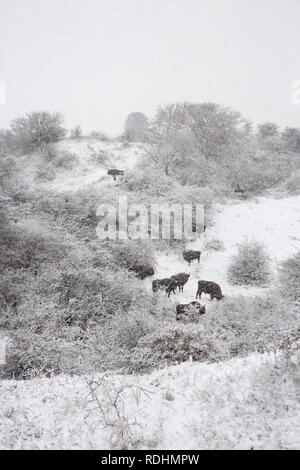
[[159, 284], [114, 173], [239, 190], [171, 287], [142, 271], [211, 288], [191, 255], [183, 311], [178, 280]]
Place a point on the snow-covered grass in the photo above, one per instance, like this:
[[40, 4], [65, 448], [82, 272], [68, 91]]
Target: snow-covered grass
[[240, 404], [92, 159]]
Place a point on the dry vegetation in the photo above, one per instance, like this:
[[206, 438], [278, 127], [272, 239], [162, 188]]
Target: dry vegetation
[[71, 303]]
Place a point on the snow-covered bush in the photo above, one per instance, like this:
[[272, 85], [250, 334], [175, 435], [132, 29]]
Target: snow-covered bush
[[53, 162], [175, 343], [75, 212], [214, 244], [250, 265], [289, 277], [37, 128], [73, 312], [292, 184], [98, 135], [130, 253], [244, 324], [22, 248], [65, 160], [76, 132], [108, 402], [100, 157], [153, 183]]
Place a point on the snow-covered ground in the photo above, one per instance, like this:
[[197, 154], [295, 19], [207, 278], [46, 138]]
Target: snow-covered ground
[[87, 171], [92, 159], [240, 404]]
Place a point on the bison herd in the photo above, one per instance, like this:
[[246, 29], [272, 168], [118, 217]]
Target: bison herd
[[170, 285]]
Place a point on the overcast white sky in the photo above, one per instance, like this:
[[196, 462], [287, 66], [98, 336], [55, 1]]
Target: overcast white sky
[[98, 60]]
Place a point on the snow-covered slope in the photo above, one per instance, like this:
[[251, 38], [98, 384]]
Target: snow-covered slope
[[240, 404], [88, 171], [243, 403], [91, 160]]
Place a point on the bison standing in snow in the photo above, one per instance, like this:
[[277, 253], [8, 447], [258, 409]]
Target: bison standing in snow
[[211, 288], [191, 255], [178, 280], [114, 173]]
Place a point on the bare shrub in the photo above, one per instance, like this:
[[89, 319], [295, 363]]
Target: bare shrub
[[214, 244], [76, 132], [250, 266], [98, 135], [289, 277], [37, 128], [244, 324], [130, 253], [65, 160], [292, 184], [110, 401], [172, 343]]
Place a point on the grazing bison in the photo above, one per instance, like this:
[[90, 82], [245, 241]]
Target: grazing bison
[[159, 284], [186, 311], [114, 173], [239, 190], [191, 255], [211, 288], [142, 271]]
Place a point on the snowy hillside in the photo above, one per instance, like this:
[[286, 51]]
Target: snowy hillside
[[241, 404], [273, 221], [91, 160]]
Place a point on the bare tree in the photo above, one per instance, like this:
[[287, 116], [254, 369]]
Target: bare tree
[[214, 129], [37, 128], [182, 132], [76, 132], [267, 129]]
